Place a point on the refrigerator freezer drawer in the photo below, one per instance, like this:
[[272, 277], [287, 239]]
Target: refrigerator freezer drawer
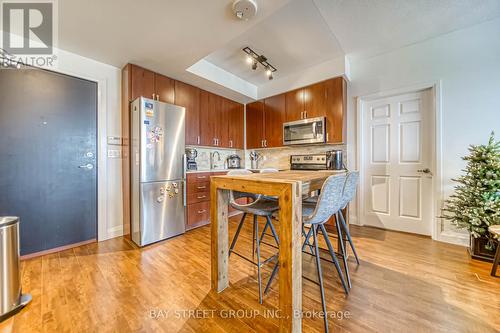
[[161, 212]]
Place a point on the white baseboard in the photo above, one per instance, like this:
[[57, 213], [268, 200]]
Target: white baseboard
[[353, 220], [113, 232], [454, 237]]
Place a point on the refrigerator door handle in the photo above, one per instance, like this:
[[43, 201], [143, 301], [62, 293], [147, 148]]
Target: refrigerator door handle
[[184, 180]]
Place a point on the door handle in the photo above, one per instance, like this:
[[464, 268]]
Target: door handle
[[87, 166], [426, 171]]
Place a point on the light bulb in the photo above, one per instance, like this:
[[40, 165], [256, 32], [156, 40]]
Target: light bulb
[[249, 59]]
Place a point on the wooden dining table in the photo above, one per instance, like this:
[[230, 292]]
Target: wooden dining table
[[289, 187]]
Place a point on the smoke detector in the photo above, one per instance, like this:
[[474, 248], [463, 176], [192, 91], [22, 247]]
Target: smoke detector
[[244, 9]]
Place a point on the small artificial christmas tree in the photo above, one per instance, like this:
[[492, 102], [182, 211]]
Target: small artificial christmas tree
[[475, 205]]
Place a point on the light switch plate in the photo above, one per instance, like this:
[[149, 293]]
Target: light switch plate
[[114, 153]]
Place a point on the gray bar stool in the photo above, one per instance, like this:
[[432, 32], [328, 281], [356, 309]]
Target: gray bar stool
[[330, 201], [260, 206], [348, 194]]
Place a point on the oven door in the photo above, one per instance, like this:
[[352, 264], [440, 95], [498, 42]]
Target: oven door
[[304, 131]]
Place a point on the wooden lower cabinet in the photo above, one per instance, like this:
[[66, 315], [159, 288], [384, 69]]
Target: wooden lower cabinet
[[198, 199], [198, 214]]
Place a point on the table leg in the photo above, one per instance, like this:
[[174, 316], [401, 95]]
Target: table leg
[[220, 238], [496, 261], [290, 258]]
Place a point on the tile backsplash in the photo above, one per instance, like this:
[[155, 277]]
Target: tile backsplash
[[279, 158], [203, 159]]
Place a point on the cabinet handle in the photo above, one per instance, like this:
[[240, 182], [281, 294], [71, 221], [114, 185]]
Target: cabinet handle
[[202, 211], [327, 139], [201, 177], [157, 97], [305, 114], [154, 96], [231, 143], [201, 187], [198, 140], [202, 196]]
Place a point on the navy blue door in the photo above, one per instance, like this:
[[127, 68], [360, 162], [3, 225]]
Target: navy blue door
[[48, 157]]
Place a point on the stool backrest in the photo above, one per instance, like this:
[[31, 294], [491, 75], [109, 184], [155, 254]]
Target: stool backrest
[[330, 200], [350, 186]]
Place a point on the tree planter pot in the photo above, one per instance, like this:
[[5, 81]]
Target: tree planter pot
[[479, 251]]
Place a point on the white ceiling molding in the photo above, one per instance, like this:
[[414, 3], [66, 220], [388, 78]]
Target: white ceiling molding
[[209, 71]]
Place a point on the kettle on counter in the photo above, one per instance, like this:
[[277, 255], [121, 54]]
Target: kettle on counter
[[233, 162], [335, 161]]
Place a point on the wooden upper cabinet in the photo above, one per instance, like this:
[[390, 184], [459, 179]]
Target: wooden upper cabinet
[[315, 100], [164, 88], [236, 125], [255, 124], [336, 118], [207, 119], [142, 83], [274, 117], [221, 107], [294, 105], [189, 97]]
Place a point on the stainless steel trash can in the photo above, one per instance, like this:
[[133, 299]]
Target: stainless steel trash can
[[11, 298]]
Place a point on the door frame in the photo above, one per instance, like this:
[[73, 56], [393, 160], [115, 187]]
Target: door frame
[[436, 149]]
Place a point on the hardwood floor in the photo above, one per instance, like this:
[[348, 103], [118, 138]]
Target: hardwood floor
[[405, 283]]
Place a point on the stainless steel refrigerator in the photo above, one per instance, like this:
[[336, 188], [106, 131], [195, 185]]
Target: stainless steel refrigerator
[[158, 168]]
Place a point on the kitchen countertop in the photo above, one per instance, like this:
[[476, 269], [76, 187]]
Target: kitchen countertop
[[223, 170], [256, 170]]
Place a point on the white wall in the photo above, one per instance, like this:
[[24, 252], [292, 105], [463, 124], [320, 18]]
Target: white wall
[[110, 212], [467, 62]]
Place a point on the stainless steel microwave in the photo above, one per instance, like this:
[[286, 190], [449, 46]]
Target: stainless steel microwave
[[304, 131]]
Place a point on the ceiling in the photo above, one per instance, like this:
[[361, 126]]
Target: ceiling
[[169, 36], [292, 38]]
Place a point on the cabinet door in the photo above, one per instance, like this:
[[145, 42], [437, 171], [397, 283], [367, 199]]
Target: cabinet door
[[315, 98], [142, 83], [255, 124], [207, 119], [294, 105], [274, 117], [165, 88], [221, 106], [189, 97], [236, 125], [336, 110]]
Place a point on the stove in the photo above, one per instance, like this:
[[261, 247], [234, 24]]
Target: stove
[[309, 162]]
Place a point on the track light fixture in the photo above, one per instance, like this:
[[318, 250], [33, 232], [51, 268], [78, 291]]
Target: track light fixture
[[254, 58]]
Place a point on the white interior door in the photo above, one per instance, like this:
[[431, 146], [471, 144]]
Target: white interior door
[[398, 135]]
